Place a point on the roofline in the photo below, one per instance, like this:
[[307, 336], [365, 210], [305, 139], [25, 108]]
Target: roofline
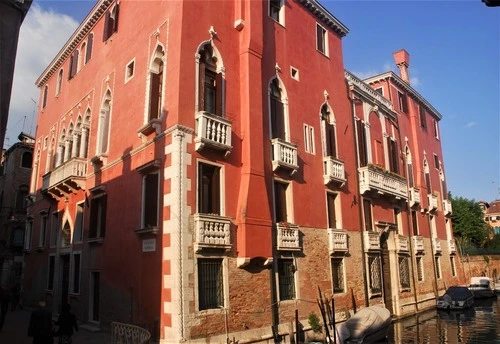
[[403, 84], [325, 16], [80, 33]]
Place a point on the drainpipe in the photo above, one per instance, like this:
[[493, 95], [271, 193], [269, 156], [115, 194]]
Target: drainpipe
[[360, 203], [436, 293]]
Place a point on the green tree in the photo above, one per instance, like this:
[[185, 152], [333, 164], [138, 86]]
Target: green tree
[[469, 227]]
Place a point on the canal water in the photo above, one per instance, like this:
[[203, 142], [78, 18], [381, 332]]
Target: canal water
[[479, 324]]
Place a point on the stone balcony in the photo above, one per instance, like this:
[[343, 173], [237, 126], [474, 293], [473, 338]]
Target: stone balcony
[[284, 155], [414, 196], [447, 210], [288, 237], [212, 132], [418, 243], [337, 241], [371, 241], [376, 179], [66, 178], [433, 202], [333, 170], [212, 231], [436, 244], [452, 247], [402, 243]]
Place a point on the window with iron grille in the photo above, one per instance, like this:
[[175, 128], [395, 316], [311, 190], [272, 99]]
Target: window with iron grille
[[210, 284], [438, 267], [338, 275], [453, 267], [420, 268], [375, 274], [286, 270], [404, 272]]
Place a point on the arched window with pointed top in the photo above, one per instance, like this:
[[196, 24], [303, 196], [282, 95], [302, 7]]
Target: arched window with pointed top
[[155, 84], [104, 125], [210, 90], [409, 167], [427, 177], [277, 103], [329, 131], [59, 81]]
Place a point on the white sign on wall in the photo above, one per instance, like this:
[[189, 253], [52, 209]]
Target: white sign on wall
[[149, 245]]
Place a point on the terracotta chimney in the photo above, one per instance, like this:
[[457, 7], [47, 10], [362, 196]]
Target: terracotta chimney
[[402, 59]]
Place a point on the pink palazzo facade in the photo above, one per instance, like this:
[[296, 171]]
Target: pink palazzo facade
[[202, 176]]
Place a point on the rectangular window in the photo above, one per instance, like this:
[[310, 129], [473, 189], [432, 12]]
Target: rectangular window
[[428, 182], [321, 39], [338, 275], [374, 274], [380, 90], [150, 202], [438, 266], [332, 216], [110, 22], [78, 232], [280, 207], [275, 8], [50, 277], [362, 145], [209, 192], [54, 229], [98, 208], [414, 222], [436, 162], [331, 141], [43, 231], [453, 267], [88, 52], [309, 139], [403, 102], [28, 234], [286, 271], [367, 212], [404, 272], [392, 146], [423, 121], [397, 219], [210, 284], [73, 65], [436, 130], [129, 70], [420, 268], [76, 273]]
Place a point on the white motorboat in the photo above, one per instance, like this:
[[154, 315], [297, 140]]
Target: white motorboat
[[481, 287], [368, 325]]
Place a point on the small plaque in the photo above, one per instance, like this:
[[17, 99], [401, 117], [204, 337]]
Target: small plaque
[[149, 245]]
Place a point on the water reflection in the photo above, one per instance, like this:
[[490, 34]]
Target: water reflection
[[479, 324]]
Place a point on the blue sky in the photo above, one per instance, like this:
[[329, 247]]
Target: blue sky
[[454, 51]]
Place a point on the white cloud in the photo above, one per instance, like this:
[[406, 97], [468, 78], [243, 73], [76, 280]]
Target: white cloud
[[470, 124], [43, 33], [414, 81]]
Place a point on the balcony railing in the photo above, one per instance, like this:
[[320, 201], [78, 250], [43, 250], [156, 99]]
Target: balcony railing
[[377, 179], [418, 243], [212, 131], [371, 240], [337, 241], [436, 243], [452, 247], [288, 237], [212, 231], [433, 202], [284, 155], [66, 178], [447, 207], [402, 243], [414, 196], [333, 170]]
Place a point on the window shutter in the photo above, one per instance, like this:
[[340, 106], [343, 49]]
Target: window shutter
[[74, 66], [215, 190], [88, 54], [103, 215], [201, 87], [45, 91], [332, 218], [106, 33], [70, 69], [218, 93], [361, 143], [394, 156], [116, 11], [93, 218], [319, 38], [154, 95]]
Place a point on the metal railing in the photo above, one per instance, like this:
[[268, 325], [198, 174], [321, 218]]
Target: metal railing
[[128, 334]]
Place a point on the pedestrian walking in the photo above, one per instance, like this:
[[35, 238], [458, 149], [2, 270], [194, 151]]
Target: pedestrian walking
[[66, 323], [4, 305], [40, 326]]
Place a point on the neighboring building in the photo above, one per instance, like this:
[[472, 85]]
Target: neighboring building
[[200, 178], [14, 188], [12, 13], [492, 215]]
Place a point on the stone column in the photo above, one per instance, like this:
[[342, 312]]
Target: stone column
[[76, 142], [83, 142], [67, 149], [59, 155]]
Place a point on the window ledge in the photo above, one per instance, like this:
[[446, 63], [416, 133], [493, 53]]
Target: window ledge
[[40, 248], [26, 251], [95, 240], [99, 160], [74, 295], [147, 230], [153, 126]]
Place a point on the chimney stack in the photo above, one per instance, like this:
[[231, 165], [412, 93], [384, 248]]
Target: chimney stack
[[402, 59]]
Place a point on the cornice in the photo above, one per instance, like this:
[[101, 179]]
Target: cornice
[[407, 88], [80, 33], [326, 17], [368, 92]]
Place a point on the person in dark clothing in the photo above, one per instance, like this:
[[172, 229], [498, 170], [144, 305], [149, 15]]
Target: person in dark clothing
[[4, 305], [40, 326], [66, 322]]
